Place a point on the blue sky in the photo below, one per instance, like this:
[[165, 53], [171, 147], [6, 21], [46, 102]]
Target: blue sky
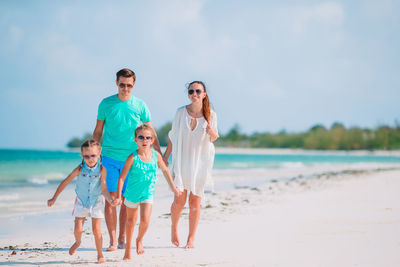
[[268, 65]]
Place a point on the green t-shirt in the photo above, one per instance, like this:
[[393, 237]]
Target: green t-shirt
[[120, 121]]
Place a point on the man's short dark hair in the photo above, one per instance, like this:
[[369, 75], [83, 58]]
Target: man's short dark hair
[[127, 73]]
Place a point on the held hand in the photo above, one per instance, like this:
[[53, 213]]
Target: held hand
[[211, 133], [117, 202], [176, 191], [112, 202], [50, 202], [165, 161]]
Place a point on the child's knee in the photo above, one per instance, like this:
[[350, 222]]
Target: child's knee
[[96, 232], [144, 221], [78, 230]]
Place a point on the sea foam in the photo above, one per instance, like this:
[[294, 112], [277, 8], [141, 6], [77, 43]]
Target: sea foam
[[38, 181], [9, 197]]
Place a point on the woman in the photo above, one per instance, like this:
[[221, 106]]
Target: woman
[[193, 132]]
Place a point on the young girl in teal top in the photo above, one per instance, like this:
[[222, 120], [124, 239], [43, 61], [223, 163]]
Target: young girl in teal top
[[90, 193], [142, 167]]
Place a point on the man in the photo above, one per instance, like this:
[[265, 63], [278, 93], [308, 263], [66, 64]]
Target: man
[[118, 116]]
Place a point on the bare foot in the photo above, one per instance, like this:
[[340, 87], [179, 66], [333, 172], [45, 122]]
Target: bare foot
[[139, 247], [74, 247], [175, 238], [112, 248], [121, 245], [127, 256], [190, 244], [101, 260]]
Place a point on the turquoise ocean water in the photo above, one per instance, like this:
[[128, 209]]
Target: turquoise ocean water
[[36, 168], [29, 177]]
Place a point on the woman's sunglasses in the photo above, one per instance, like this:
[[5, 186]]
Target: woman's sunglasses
[[141, 138], [191, 91]]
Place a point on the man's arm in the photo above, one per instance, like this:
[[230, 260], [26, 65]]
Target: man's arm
[[103, 184], [98, 130], [156, 144]]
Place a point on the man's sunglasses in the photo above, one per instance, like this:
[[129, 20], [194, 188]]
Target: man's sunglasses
[[141, 138], [123, 85], [191, 91]]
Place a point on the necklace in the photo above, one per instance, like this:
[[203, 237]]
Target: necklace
[[194, 114]]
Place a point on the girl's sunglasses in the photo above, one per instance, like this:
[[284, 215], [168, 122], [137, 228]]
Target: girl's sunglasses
[[89, 156], [141, 138], [191, 91]]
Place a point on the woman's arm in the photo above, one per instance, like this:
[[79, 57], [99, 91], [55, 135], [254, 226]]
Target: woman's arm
[[212, 128], [156, 143], [167, 152], [63, 184], [172, 135], [167, 174], [213, 135]]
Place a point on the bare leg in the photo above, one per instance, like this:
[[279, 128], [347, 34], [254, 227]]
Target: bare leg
[[122, 225], [176, 210], [145, 213], [98, 239], [110, 213], [111, 221], [132, 215], [79, 221], [194, 216]]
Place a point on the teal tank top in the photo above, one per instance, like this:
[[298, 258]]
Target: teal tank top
[[142, 179]]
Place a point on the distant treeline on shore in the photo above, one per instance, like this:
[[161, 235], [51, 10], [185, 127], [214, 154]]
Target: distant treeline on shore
[[337, 137]]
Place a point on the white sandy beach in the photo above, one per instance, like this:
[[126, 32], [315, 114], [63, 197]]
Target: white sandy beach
[[347, 219], [291, 151]]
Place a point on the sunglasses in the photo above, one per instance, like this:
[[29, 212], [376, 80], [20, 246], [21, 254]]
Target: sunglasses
[[142, 138], [89, 156], [123, 85], [191, 91]]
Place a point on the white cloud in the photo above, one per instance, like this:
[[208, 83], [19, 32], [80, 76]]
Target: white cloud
[[329, 14], [176, 15], [180, 30]]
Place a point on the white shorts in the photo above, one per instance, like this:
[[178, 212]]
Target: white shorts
[[97, 211], [133, 205]]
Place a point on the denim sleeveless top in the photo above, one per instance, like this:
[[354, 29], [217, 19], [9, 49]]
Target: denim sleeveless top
[[142, 179], [88, 184]]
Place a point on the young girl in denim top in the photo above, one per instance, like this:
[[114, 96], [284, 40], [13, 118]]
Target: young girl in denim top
[[90, 188]]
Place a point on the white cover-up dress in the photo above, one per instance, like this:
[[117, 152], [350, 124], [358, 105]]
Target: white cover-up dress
[[192, 152]]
